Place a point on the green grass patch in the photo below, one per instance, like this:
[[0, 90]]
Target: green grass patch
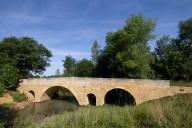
[[18, 97], [168, 112], [7, 106], [181, 83]]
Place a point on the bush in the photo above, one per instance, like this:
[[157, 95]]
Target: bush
[[18, 97], [9, 76], [2, 88], [7, 106]]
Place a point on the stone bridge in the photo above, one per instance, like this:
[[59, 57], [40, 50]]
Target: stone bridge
[[98, 91]]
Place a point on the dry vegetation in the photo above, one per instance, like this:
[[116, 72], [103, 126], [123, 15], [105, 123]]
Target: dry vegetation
[[168, 112]]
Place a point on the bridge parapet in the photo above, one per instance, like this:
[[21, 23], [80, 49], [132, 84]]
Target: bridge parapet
[[85, 81]]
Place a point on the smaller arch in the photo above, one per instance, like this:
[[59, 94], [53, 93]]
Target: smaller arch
[[31, 95], [92, 99], [118, 96]]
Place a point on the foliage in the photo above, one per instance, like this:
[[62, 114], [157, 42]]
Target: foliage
[[18, 97], [26, 54], [7, 106], [9, 76], [173, 57], [181, 83], [58, 73], [2, 88], [95, 52], [69, 66], [84, 68], [127, 53], [166, 112], [162, 55]]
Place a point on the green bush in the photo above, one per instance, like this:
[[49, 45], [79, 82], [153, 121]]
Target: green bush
[[9, 76], [18, 97], [7, 106], [2, 88]]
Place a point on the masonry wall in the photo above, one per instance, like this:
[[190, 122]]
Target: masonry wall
[[141, 90]]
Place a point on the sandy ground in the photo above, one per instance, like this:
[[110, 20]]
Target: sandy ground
[[6, 98]]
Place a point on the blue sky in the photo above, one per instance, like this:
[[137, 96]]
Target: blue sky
[[69, 27]]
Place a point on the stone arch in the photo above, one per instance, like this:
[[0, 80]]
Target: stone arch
[[31, 95], [59, 92], [92, 99], [119, 96]]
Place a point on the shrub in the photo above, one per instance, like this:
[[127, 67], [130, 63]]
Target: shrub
[[2, 88], [7, 106], [9, 76], [18, 97]]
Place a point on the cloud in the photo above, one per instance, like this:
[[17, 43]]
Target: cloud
[[60, 52]]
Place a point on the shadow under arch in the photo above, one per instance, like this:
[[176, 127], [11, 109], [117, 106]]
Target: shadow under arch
[[118, 96], [92, 99], [59, 93]]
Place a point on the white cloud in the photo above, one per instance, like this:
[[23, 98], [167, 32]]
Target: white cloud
[[60, 52]]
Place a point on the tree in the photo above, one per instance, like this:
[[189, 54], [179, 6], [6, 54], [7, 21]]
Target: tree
[[69, 66], [127, 53], [84, 68], [163, 58], [95, 52], [57, 73], [184, 43], [28, 55], [9, 76], [174, 56]]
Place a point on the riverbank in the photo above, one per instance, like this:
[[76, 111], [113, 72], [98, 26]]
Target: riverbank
[[14, 99], [174, 112]]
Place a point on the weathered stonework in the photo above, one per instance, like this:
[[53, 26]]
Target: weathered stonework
[[141, 90]]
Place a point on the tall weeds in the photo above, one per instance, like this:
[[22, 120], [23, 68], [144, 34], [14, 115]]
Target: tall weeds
[[168, 112]]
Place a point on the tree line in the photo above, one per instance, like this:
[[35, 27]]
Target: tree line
[[127, 54]]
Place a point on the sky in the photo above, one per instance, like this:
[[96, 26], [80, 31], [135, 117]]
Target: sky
[[69, 27]]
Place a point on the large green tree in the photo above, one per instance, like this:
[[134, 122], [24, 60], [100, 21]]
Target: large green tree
[[127, 53], [69, 65], [173, 57], [84, 68], [29, 56], [164, 57]]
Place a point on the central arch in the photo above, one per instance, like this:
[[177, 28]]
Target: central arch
[[59, 93], [119, 97]]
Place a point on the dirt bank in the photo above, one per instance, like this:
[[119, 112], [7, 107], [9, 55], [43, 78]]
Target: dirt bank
[[7, 98]]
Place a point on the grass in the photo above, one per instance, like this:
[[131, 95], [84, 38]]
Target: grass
[[181, 83], [7, 106], [168, 112], [18, 97], [4, 108]]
